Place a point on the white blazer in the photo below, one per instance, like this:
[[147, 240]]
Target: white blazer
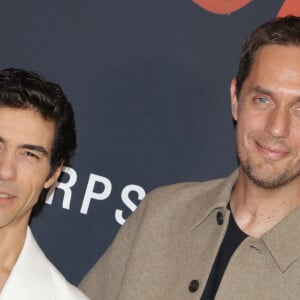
[[34, 277]]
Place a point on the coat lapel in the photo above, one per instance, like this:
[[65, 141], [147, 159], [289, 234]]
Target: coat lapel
[[30, 277]]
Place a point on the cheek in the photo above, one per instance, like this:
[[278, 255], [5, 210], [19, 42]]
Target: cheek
[[245, 134], [249, 122], [294, 141], [33, 178]]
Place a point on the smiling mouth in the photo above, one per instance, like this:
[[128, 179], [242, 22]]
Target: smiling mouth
[[7, 200], [271, 153], [5, 196]]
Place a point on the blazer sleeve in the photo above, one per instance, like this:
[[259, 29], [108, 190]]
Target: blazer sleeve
[[105, 278]]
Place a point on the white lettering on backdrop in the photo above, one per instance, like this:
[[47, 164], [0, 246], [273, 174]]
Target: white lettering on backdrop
[[91, 194]]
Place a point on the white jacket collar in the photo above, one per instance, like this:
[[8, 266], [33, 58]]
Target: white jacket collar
[[30, 274]]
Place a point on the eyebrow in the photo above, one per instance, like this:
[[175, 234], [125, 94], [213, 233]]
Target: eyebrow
[[37, 148], [259, 89], [32, 147]]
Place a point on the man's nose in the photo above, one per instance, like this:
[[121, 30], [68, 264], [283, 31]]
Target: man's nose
[[278, 123], [7, 166]]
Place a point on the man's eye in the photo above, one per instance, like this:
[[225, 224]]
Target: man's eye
[[30, 154], [262, 100]]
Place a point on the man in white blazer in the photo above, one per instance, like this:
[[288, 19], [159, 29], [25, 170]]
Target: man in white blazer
[[37, 136]]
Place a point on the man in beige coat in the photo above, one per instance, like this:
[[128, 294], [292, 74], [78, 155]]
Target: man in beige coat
[[233, 238]]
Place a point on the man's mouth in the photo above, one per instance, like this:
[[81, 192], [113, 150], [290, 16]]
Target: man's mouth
[[271, 152], [5, 195]]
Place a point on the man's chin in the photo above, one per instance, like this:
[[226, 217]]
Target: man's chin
[[266, 177], [267, 180], [268, 183]]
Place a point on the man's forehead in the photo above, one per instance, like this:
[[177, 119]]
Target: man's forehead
[[26, 126]]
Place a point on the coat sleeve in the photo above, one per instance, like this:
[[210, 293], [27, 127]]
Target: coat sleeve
[[105, 278]]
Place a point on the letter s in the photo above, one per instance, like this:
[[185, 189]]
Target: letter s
[[126, 200]]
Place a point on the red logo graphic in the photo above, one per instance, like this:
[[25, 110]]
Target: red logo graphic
[[289, 7]]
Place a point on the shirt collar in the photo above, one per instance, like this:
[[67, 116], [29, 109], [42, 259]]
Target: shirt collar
[[218, 193], [283, 240]]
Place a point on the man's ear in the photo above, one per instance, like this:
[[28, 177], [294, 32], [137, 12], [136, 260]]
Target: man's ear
[[234, 100], [53, 178]]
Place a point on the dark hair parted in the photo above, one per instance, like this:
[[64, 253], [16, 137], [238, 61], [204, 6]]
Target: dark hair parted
[[278, 31], [29, 90], [23, 89]]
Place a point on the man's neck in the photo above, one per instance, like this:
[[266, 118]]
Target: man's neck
[[256, 210], [12, 240]]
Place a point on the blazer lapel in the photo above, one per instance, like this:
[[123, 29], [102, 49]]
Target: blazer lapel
[[30, 277]]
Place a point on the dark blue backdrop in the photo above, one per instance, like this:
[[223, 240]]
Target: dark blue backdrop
[[149, 81]]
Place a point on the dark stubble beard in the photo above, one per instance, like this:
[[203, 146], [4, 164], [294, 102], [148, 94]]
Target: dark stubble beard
[[288, 174]]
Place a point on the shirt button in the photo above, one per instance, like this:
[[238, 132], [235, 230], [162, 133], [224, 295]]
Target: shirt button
[[220, 218], [193, 286]]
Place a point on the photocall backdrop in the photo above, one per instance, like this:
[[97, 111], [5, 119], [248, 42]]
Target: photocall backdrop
[[149, 82]]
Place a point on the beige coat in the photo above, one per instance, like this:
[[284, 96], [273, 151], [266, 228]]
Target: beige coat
[[173, 238]]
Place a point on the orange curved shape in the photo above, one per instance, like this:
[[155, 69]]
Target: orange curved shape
[[289, 7], [222, 6]]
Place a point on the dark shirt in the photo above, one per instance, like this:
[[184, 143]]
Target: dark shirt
[[233, 238]]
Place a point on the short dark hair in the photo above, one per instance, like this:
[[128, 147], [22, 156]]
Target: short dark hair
[[28, 90], [278, 31]]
